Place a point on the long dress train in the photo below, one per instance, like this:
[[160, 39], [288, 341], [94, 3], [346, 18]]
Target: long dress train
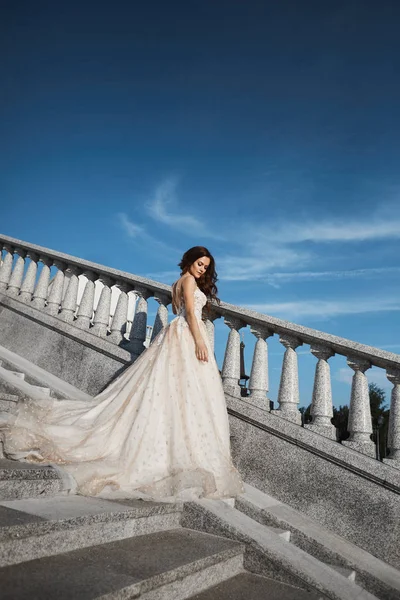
[[158, 431]]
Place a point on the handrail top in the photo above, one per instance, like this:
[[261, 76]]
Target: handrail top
[[88, 265], [343, 346]]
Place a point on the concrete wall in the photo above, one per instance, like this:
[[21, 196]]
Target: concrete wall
[[78, 357], [347, 492]]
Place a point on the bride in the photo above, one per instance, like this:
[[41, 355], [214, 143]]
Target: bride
[[160, 430]]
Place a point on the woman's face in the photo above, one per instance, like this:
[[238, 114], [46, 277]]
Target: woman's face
[[199, 267]]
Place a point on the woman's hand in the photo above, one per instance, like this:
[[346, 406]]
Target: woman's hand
[[202, 352]]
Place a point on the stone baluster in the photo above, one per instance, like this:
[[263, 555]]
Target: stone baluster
[[231, 366], [209, 317], [102, 315], [68, 306], [6, 268], [56, 289], [138, 331], [258, 382], [321, 405], [394, 420], [14, 285], [161, 319], [118, 325], [42, 287], [85, 310], [360, 423], [28, 284], [288, 396]]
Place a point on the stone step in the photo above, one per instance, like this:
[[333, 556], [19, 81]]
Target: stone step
[[268, 555], [348, 573], [16, 374], [15, 383], [37, 376], [8, 402], [370, 572], [27, 480], [10, 367], [248, 586], [39, 527], [172, 564]]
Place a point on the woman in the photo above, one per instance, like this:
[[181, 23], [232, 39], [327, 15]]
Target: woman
[[160, 430]]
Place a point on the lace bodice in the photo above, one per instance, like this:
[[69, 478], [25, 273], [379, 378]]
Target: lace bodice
[[200, 300]]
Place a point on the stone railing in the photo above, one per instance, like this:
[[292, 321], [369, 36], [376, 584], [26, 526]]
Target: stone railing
[[25, 274]]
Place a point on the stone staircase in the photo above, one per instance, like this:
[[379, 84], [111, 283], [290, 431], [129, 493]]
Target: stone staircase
[[65, 546], [57, 544], [19, 378]]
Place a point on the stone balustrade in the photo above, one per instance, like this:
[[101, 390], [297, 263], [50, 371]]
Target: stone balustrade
[[25, 275]]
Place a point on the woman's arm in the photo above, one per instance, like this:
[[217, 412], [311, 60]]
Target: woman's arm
[[189, 286]]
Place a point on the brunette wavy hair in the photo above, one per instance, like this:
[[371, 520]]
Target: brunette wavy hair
[[207, 282]]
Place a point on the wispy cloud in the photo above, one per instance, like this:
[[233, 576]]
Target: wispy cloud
[[339, 231], [280, 245], [164, 208], [263, 248], [323, 309], [139, 233], [275, 279], [257, 266], [129, 227]]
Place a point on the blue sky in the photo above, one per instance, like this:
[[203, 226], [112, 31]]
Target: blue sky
[[268, 131]]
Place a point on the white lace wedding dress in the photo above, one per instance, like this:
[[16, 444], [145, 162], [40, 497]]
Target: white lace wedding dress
[[159, 431]]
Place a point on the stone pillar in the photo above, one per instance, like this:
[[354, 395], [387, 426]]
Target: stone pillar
[[360, 423], [28, 284], [56, 290], [6, 268], [231, 366], [321, 406], [14, 285], [85, 310], [210, 316], [102, 315], [68, 306], [288, 396], [161, 319], [258, 383], [394, 420], [138, 332], [118, 325], [42, 287]]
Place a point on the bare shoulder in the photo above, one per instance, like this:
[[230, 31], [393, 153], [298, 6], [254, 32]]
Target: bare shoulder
[[188, 282]]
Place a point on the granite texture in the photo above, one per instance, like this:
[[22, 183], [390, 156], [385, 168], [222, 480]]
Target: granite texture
[[62, 524], [259, 382], [321, 405], [24, 480], [28, 489], [248, 586], [171, 564], [269, 555], [394, 417], [345, 491], [85, 265], [34, 375], [372, 574], [288, 395], [78, 357], [231, 366], [10, 517]]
